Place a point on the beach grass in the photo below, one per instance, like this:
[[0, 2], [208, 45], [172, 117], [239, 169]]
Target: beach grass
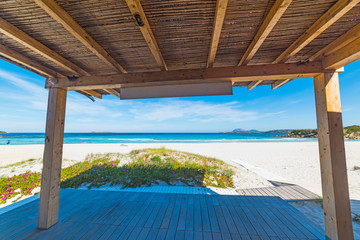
[[20, 163], [138, 168]]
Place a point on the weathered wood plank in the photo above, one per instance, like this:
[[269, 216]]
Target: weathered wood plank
[[343, 56], [338, 220], [50, 182], [219, 74], [220, 11]]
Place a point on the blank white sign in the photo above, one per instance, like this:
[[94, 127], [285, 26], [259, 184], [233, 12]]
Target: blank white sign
[[183, 90]]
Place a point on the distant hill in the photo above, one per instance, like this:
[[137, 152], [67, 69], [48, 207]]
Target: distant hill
[[240, 130], [3, 132]]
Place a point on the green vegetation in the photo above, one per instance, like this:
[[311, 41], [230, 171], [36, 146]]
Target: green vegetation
[[304, 131], [350, 132], [149, 166], [3, 132], [352, 129], [18, 185], [142, 168]]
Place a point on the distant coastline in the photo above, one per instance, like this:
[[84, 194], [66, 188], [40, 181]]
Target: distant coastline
[[350, 132]]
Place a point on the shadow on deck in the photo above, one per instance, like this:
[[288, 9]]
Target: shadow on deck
[[86, 214]]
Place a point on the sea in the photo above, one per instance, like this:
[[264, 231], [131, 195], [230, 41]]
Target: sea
[[124, 138]]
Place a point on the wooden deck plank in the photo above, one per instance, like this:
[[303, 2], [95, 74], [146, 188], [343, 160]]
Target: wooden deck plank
[[227, 216], [109, 232], [220, 216], [237, 220], [174, 218], [189, 222], [262, 221], [197, 213], [183, 212], [152, 234], [299, 226], [198, 235], [282, 225], [170, 199], [212, 215], [161, 234], [206, 226], [142, 212], [143, 234]]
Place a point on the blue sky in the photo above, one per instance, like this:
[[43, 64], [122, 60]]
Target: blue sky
[[23, 101]]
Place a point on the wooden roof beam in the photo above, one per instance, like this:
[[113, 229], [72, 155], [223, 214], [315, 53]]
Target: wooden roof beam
[[140, 17], [112, 92], [234, 74], [340, 42], [24, 61], [267, 25], [62, 17], [343, 56], [24, 39], [220, 11], [339, 9]]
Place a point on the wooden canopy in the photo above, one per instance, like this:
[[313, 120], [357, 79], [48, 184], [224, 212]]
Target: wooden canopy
[[133, 48], [64, 40]]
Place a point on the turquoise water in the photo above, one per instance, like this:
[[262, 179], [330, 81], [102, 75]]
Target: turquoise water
[[38, 138]]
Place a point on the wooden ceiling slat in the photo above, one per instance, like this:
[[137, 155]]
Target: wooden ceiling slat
[[340, 42], [332, 15], [220, 12], [22, 60], [253, 84], [267, 25], [137, 10], [112, 92], [24, 39], [343, 56], [279, 83], [62, 17], [93, 93]]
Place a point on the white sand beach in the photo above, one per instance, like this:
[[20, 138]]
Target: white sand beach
[[290, 162]]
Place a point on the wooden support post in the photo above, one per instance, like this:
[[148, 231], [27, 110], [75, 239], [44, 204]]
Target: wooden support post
[[50, 181], [337, 214]]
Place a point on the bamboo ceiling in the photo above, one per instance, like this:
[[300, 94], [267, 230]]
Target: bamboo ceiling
[[181, 34]]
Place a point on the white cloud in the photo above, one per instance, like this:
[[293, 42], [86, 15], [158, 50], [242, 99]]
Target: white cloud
[[195, 111], [28, 87]]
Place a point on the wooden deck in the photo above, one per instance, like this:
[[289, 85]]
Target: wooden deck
[[86, 214], [288, 192]]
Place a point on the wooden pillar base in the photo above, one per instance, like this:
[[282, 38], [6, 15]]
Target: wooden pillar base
[[50, 181], [337, 214]]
